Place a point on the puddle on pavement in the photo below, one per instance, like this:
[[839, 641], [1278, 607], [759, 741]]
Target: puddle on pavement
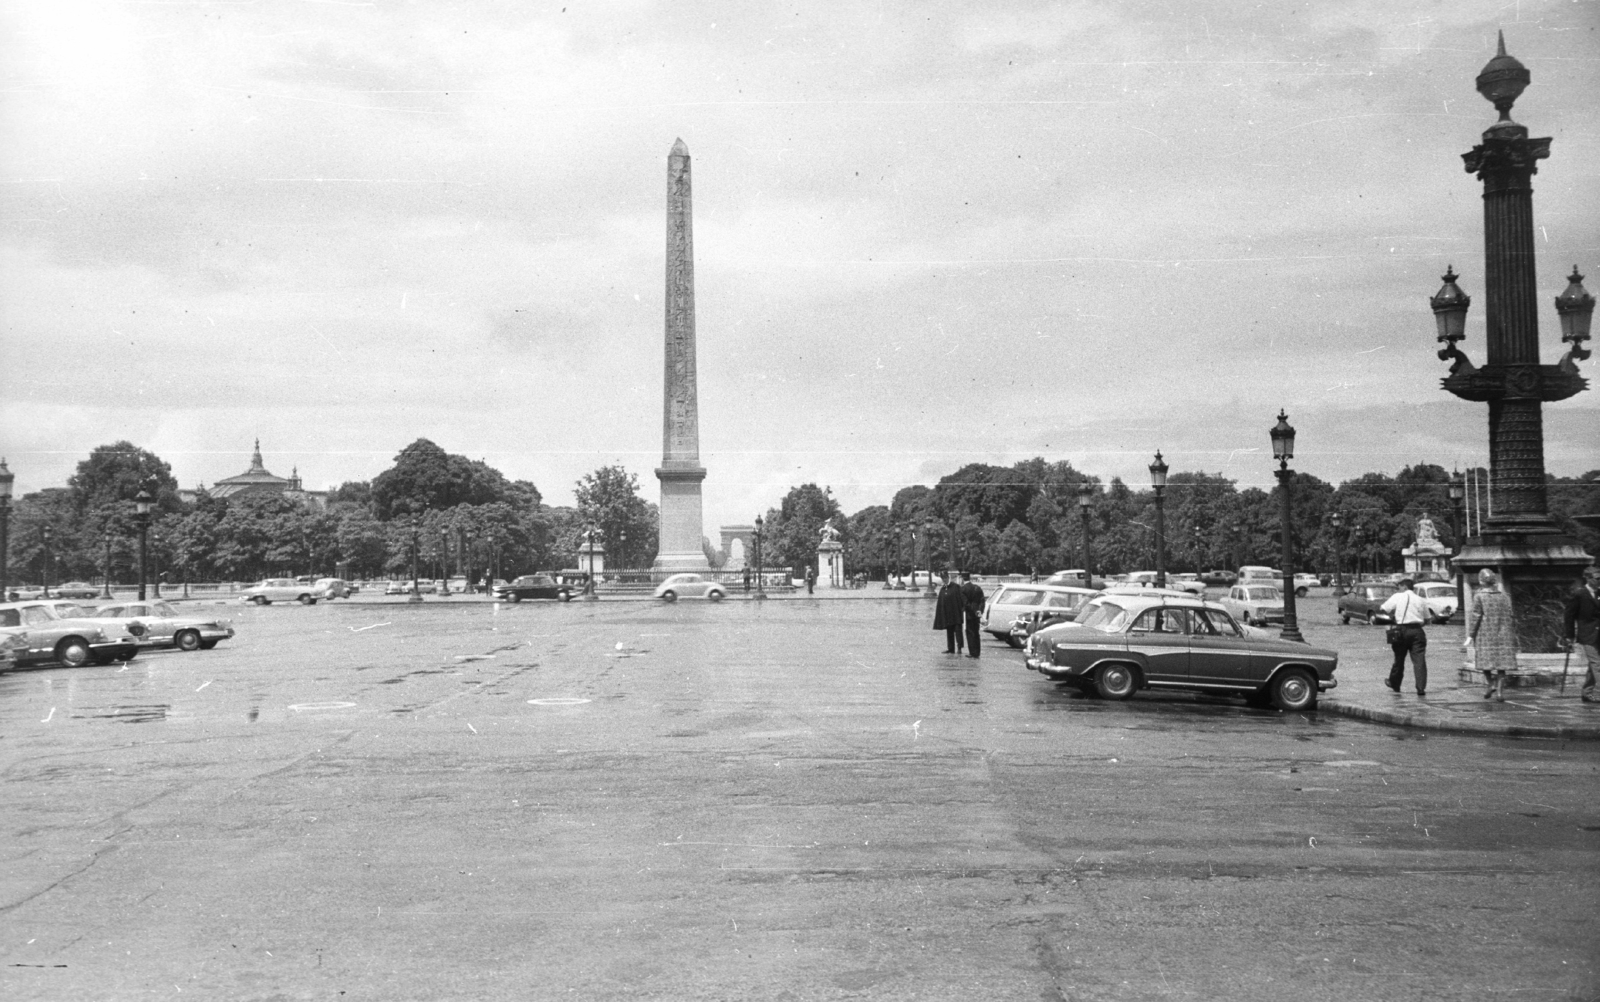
[[128, 714]]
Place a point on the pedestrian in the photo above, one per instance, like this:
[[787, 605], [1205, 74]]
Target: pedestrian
[[811, 578], [1492, 633], [947, 615], [746, 577], [972, 606], [1581, 623], [1408, 611]]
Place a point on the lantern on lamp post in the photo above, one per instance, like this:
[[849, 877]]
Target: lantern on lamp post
[[1282, 435], [1158, 480], [142, 503]]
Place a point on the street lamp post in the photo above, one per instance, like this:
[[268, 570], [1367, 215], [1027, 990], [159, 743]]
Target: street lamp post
[[1158, 480], [1337, 521], [444, 561], [761, 580], [155, 566], [1458, 495], [141, 506], [107, 565], [7, 479], [1283, 450], [622, 548], [416, 543], [1085, 499], [49, 556], [927, 546], [1538, 564], [899, 549]]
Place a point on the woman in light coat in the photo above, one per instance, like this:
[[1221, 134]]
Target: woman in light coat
[[1491, 631]]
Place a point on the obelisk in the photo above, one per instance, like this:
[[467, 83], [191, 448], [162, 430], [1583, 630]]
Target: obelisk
[[679, 532]]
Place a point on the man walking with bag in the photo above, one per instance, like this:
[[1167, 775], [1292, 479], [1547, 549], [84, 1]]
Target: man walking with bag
[[1581, 624], [1409, 612]]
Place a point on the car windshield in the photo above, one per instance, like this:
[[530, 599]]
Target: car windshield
[[1108, 617], [162, 609], [38, 615], [1263, 594], [1017, 596]]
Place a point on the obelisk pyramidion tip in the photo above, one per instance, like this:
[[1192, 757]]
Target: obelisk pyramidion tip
[[680, 150]]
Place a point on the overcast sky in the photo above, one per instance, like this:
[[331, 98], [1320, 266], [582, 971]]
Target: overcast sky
[[926, 234]]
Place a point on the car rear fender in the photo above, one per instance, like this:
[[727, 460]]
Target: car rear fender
[[1304, 665]]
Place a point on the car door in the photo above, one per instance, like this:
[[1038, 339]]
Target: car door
[[1161, 637], [1218, 653]]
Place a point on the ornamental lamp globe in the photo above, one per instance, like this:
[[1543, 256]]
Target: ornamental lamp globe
[[1575, 307], [142, 502], [1457, 489], [7, 478], [1450, 307], [1085, 496], [1158, 472], [1282, 439]]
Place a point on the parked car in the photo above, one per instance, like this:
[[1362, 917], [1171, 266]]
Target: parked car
[[397, 588], [534, 586], [76, 589], [165, 626], [1259, 574], [1219, 578], [1303, 583], [1141, 642], [1441, 599], [280, 590], [690, 586], [75, 639], [1190, 583], [1010, 601], [1256, 604], [1363, 601], [1075, 577], [331, 588]]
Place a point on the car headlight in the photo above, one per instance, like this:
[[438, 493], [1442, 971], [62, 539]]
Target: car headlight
[[99, 637]]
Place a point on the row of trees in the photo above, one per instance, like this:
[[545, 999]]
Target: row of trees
[[455, 515], [993, 519], [448, 513]]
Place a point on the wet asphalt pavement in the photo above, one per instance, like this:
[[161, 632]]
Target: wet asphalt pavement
[[787, 800]]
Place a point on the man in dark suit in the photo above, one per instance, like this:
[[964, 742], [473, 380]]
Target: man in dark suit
[[972, 605], [1581, 623], [947, 615]]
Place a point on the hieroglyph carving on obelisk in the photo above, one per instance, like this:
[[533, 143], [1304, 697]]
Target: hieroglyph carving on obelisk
[[680, 473]]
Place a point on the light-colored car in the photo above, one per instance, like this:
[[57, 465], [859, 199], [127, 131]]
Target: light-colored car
[[1011, 601], [1190, 583], [397, 588], [1259, 574], [1255, 604], [280, 590], [1303, 583], [690, 586], [333, 588], [166, 626], [60, 631], [76, 589], [1441, 599]]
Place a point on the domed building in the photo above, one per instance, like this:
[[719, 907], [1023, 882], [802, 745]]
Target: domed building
[[258, 480]]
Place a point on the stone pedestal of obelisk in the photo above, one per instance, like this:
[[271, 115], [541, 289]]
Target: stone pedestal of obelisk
[[680, 473]]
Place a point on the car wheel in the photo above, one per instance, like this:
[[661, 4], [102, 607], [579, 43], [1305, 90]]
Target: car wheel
[[206, 645], [1302, 592], [306, 600], [1014, 642], [187, 640], [73, 652], [1115, 682], [1344, 620], [260, 600], [669, 596], [1372, 619], [565, 596], [1293, 689], [713, 596], [513, 597]]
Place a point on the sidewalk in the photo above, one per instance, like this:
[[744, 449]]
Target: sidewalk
[[1542, 711]]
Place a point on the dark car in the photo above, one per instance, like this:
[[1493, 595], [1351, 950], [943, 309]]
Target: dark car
[[1218, 578], [1131, 642], [1362, 601], [534, 586]]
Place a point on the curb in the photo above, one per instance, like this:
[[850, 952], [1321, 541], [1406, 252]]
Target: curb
[[1427, 721]]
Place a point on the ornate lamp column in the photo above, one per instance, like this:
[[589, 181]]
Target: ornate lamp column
[[1086, 498], [589, 594], [141, 506], [1536, 562], [7, 479], [927, 551], [106, 591], [1158, 480], [416, 592], [1336, 520], [1283, 450], [761, 585], [48, 533], [155, 566]]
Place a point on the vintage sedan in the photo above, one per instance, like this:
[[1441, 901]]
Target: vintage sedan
[[280, 590], [534, 586], [1365, 601], [1011, 601], [690, 586], [1135, 642], [332, 588], [165, 626], [1254, 604], [76, 589], [1440, 597], [59, 631]]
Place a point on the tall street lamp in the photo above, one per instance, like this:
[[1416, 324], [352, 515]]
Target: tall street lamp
[[49, 556], [761, 580], [1158, 480], [1337, 521], [927, 546], [155, 566], [107, 565], [444, 561], [1283, 450], [416, 544], [589, 594], [7, 478], [1458, 495], [141, 506], [1538, 564], [1085, 499]]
